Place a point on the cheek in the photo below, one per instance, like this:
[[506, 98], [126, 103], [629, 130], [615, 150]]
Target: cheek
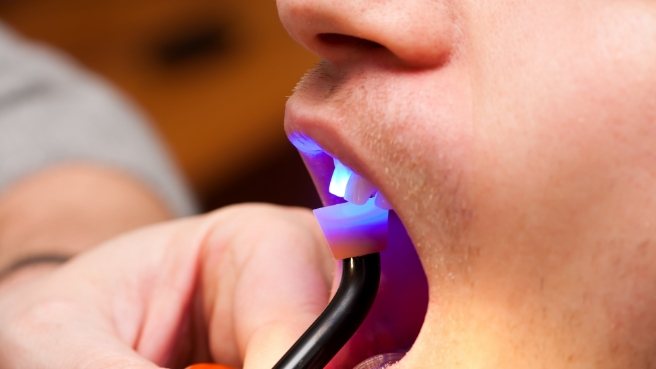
[[563, 115], [564, 84], [564, 171]]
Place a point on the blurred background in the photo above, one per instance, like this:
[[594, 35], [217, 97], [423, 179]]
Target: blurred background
[[212, 75]]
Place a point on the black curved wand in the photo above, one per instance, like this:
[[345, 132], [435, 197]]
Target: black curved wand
[[339, 321]]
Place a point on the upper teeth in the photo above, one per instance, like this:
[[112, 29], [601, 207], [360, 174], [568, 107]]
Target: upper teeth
[[358, 190], [340, 178], [354, 188]]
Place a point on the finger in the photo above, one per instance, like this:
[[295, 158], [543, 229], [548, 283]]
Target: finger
[[266, 286], [43, 331], [122, 304]]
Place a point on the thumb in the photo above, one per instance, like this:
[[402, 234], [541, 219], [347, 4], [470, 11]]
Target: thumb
[[301, 293], [269, 285]]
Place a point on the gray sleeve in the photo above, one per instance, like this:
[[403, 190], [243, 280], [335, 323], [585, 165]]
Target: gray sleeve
[[51, 112]]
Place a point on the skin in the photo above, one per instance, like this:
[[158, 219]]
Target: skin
[[76, 218], [148, 298], [515, 142]]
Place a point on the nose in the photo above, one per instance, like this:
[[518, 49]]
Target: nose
[[418, 33]]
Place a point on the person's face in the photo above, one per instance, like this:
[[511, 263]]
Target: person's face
[[517, 142]]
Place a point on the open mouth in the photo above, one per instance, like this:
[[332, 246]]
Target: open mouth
[[354, 188], [335, 182], [398, 313]]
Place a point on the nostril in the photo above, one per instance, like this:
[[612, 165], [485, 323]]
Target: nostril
[[346, 41]]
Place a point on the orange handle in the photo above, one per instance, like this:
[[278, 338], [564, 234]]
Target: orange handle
[[208, 366]]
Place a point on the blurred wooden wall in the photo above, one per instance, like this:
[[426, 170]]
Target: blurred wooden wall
[[213, 76]]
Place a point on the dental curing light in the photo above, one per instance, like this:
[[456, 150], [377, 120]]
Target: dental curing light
[[356, 234]]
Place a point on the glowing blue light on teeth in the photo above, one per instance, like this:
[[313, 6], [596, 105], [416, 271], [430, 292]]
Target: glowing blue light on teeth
[[339, 180], [305, 144]]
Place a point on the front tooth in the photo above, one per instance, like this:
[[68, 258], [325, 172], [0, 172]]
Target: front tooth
[[340, 178], [358, 190], [381, 202]]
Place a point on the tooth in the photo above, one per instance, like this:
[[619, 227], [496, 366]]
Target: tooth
[[358, 190], [340, 179], [381, 202]]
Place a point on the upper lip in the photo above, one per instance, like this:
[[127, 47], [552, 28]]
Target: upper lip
[[302, 120]]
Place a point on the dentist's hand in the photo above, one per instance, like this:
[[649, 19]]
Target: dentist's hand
[[237, 286]]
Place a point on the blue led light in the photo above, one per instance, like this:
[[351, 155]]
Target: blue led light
[[341, 173], [339, 180], [305, 144], [353, 230]]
